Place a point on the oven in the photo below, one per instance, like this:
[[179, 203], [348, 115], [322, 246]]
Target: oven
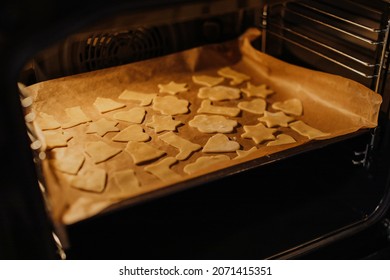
[[292, 202]]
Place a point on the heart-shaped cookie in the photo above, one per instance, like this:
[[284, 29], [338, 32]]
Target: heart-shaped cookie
[[291, 106], [220, 143], [255, 106], [134, 115], [131, 133]]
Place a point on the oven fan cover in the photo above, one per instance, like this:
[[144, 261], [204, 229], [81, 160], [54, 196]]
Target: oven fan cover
[[103, 50], [93, 51]]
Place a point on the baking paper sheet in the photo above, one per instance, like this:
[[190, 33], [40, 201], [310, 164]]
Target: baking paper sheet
[[331, 104]]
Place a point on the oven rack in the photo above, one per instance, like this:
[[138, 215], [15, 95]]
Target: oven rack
[[38, 149], [322, 35]]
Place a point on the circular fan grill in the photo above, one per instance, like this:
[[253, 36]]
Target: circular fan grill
[[101, 50]]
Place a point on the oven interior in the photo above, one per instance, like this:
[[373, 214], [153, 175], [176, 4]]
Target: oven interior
[[284, 207]]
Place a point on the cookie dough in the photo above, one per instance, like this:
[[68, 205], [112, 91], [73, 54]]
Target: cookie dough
[[291, 106], [208, 108], [142, 152], [236, 77], [170, 105], [133, 132], [276, 119], [144, 99], [307, 131], [255, 106], [134, 115], [99, 151], [186, 147], [282, 139], [258, 133], [208, 81], [163, 123], [220, 143], [163, 171], [204, 163], [219, 93], [172, 88], [212, 123], [76, 116], [104, 105], [257, 91], [102, 126], [93, 180]]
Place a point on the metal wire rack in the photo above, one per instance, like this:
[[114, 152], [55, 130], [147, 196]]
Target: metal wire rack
[[349, 38]]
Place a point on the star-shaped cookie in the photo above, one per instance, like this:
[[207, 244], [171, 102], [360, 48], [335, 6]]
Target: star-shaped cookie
[[258, 133], [257, 91], [172, 88], [276, 119], [163, 123], [102, 127]]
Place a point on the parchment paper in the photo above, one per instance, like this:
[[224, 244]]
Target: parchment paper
[[331, 103]]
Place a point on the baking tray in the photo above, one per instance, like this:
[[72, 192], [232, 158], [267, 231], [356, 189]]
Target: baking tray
[[338, 106]]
